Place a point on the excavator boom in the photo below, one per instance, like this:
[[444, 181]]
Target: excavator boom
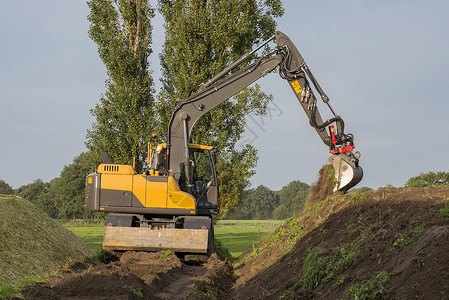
[[293, 68]]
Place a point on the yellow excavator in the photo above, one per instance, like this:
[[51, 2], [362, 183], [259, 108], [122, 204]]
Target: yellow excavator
[[171, 206]]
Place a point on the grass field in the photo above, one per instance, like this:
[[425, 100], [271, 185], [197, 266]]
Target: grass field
[[240, 235], [235, 235], [91, 235]]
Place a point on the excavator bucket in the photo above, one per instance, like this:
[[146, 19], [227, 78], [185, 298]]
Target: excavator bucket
[[347, 171]]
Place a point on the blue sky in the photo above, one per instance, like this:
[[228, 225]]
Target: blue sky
[[384, 65]]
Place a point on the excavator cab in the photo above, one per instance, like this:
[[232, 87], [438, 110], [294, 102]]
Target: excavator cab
[[203, 183], [204, 175], [202, 171]]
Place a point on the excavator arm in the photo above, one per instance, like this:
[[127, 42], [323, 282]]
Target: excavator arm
[[292, 68]]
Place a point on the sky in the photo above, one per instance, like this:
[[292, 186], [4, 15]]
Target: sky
[[384, 65]]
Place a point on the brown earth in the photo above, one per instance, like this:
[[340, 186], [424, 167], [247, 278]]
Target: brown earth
[[217, 282], [136, 275], [391, 243], [324, 186], [280, 243]]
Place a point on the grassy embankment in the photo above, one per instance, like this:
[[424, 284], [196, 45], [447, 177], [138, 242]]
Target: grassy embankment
[[235, 235], [32, 245]]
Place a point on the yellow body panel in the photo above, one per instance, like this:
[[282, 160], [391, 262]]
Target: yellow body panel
[[139, 188], [203, 147], [156, 194], [178, 198], [117, 182]]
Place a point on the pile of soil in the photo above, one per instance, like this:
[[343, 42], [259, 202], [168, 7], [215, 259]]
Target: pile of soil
[[33, 244], [136, 275], [388, 243], [270, 249]]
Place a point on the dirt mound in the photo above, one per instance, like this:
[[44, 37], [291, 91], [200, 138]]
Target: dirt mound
[[389, 243], [283, 239], [93, 286], [32, 243], [136, 275]]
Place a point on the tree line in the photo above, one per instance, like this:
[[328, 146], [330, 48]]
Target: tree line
[[263, 203], [63, 197]]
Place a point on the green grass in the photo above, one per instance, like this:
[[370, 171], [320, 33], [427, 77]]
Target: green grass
[[313, 269], [370, 289], [414, 233], [6, 290], [244, 236], [234, 235], [444, 212], [251, 223], [91, 235], [318, 269]]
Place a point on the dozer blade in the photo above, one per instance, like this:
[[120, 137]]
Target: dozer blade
[[347, 171], [154, 239]]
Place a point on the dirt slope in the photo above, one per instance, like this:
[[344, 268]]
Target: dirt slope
[[388, 243], [279, 243], [31, 243]]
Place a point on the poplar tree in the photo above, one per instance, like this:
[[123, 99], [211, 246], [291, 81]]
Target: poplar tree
[[124, 117], [202, 37]]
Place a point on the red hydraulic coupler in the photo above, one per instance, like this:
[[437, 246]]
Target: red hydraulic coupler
[[336, 150]]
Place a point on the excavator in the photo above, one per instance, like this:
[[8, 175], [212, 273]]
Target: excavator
[[172, 205]]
